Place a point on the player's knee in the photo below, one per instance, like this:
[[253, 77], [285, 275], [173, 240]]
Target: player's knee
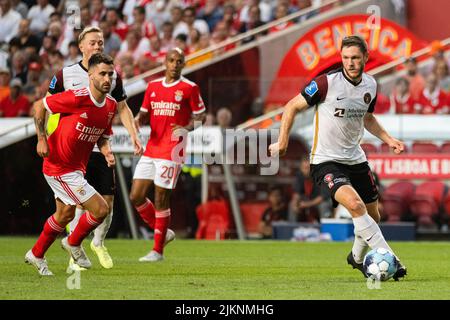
[[356, 206], [103, 210], [135, 199]]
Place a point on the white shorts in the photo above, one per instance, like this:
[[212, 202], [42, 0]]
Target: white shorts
[[163, 172], [71, 188]]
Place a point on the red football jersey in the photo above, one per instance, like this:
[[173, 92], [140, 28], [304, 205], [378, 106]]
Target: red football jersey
[[434, 103], [82, 122], [168, 104]]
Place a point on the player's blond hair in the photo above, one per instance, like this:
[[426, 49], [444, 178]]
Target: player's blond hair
[[88, 30]]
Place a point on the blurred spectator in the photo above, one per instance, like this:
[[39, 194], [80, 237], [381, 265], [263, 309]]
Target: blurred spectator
[[416, 81], [20, 7], [86, 18], [432, 99], [125, 65], [147, 27], [212, 13], [134, 44], [5, 77], [35, 78], [16, 104], [112, 40], [223, 118], [440, 69], [158, 12], [98, 11], [176, 17], [277, 211], [9, 21], [180, 41], [282, 11], [55, 30], [115, 4], [231, 19], [307, 200], [302, 5], [19, 66], [401, 101], [27, 41], [154, 54], [56, 61], [48, 45], [117, 25], [39, 16], [74, 55], [264, 9], [254, 21], [190, 22], [382, 105], [166, 37]]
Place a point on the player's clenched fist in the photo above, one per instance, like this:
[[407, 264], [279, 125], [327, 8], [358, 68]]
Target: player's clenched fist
[[42, 148], [276, 150], [110, 159]]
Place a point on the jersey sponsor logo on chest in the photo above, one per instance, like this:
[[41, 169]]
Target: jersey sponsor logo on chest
[[163, 108]]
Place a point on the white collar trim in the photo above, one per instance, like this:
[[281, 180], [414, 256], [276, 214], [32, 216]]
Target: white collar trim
[[168, 85], [97, 104]]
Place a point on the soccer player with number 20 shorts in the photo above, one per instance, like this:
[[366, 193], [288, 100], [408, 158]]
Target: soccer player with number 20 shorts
[[174, 106], [85, 120]]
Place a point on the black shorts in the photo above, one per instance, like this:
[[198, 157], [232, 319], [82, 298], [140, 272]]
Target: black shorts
[[333, 175], [99, 175]]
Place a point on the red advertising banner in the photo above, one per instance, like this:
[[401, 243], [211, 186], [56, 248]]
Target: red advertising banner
[[319, 50], [411, 166]]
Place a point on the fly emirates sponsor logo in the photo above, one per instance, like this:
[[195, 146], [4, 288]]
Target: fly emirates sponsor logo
[[88, 134], [163, 108]]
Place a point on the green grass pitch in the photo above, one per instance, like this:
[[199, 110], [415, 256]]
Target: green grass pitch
[[211, 270]]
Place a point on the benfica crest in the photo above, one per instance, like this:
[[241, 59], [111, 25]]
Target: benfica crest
[[178, 95]]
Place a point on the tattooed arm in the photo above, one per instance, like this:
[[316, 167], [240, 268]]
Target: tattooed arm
[[39, 121]]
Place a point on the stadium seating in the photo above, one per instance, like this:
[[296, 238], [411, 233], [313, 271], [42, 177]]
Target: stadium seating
[[396, 199], [424, 147], [445, 148], [426, 202], [369, 148], [251, 215], [214, 220]]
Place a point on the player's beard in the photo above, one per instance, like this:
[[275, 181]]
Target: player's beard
[[360, 72]]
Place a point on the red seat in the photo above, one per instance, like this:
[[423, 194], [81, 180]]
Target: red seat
[[426, 202], [396, 198], [424, 147], [214, 220], [369, 148], [251, 215], [445, 148]]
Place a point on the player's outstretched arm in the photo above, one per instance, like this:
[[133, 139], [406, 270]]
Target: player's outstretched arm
[[126, 117], [374, 127], [295, 105], [105, 148], [39, 122]]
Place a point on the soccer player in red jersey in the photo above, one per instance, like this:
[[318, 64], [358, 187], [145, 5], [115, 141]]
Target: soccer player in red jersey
[[174, 106], [86, 117]]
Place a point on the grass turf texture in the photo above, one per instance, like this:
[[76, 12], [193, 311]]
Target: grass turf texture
[[224, 270]]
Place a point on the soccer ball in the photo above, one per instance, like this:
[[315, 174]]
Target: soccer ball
[[380, 264]]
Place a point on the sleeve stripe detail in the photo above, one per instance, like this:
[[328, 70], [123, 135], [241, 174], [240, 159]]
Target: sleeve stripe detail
[[46, 105]]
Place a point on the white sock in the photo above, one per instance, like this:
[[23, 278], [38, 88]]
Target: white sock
[[101, 231], [359, 249], [370, 232], [78, 213]]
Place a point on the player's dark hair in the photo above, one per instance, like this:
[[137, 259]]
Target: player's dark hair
[[354, 41], [140, 9], [98, 58]]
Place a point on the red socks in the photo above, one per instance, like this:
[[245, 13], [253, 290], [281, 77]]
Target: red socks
[[86, 224], [161, 225], [147, 213], [51, 230]]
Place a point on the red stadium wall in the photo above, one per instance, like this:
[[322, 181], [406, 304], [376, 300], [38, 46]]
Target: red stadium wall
[[429, 19]]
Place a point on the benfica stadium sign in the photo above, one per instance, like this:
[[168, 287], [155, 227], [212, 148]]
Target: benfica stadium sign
[[319, 50], [411, 166]]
